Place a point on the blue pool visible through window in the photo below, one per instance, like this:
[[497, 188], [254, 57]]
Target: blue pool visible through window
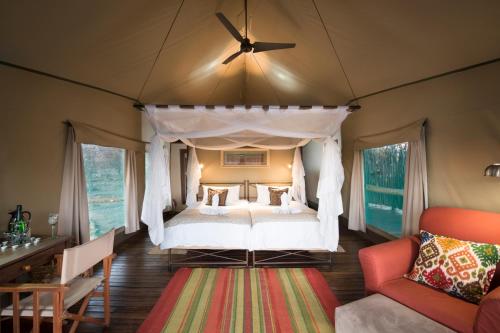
[[105, 177], [384, 178]]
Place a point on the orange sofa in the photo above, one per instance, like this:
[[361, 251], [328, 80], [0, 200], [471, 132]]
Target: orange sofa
[[384, 265]]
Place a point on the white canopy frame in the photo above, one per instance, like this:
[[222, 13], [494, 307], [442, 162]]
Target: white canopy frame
[[222, 128]]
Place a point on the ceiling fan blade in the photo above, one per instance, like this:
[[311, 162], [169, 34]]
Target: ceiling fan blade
[[264, 46], [232, 57], [230, 27]]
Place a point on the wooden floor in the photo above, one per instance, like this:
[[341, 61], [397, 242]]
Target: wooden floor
[[138, 278]]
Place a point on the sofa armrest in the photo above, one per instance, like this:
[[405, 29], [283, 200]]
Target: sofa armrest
[[387, 261], [488, 314]]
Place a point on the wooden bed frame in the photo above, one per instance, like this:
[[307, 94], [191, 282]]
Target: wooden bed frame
[[241, 258]]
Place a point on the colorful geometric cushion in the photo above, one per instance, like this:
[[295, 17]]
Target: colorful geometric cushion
[[461, 268]]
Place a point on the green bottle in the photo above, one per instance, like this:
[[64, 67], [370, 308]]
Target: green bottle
[[21, 224]]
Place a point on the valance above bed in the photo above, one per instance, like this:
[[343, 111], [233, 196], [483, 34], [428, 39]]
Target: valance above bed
[[220, 128]]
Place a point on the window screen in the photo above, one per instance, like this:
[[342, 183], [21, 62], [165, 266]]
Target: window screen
[[384, 176], [104, 174]]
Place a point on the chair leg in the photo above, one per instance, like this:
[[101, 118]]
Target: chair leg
[[57, 299], [36, 311], [107, 275], [15, 309], [81, 312]]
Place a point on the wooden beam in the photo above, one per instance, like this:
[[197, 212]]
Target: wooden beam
[[351, 108]]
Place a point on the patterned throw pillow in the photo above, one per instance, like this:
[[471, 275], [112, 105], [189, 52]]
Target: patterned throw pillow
[[222, 196], [461, 268], [275, 195]]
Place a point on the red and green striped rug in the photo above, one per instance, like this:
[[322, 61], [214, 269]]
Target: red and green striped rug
[[244, 300]]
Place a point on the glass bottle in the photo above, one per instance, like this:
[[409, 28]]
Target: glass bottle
[[21, 224]]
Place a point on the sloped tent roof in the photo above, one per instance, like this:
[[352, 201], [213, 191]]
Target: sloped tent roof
[[118, 45]]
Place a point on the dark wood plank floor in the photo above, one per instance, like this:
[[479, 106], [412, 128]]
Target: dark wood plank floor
[[138, 279]]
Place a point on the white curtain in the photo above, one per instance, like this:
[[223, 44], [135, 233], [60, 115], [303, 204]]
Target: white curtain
[[357, 200], [158, 193], [73, 205], [331, 178], [193, 176], [415, 198], [131, 204], [298, 181]]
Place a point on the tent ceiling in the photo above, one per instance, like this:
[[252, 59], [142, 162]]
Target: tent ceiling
[[114, 44]]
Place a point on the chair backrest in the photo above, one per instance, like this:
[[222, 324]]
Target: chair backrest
[[464, 224], [78, 259]]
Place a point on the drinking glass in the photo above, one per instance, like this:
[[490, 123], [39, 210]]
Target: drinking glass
[[53, 217]]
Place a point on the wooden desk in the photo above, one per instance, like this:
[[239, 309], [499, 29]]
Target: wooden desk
[[14, 263]]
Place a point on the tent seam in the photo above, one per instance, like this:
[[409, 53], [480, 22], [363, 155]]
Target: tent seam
[[268, 82], [334, 50], [160, 51]]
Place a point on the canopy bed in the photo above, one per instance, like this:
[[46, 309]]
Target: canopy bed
[[263, 229]]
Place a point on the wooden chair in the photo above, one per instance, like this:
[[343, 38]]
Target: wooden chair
[[76, 282]]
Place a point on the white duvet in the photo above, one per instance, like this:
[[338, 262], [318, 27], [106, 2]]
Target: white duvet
[[251, 226], [274, 231], [192, 229]]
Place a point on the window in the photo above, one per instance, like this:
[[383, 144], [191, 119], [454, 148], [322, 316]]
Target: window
[[384, 176], [250, 157], [105, 176]]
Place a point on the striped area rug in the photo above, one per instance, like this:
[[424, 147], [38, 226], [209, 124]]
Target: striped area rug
[[244, 300]]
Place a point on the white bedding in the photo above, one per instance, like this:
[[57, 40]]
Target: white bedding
[[251, 226], [191, 229], [272, 231]]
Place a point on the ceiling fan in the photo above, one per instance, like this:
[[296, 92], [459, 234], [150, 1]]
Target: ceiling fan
[[245, 45]]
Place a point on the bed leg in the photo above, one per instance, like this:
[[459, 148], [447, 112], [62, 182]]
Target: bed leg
[[170, 260], [253, 258], [246, 255], [331, 261]]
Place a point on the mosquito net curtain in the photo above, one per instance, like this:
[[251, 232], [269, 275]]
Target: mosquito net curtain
[[222, 128]]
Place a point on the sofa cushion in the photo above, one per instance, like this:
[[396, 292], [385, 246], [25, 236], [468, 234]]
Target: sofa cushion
[[461, 268], [435, 304], [380, 314]]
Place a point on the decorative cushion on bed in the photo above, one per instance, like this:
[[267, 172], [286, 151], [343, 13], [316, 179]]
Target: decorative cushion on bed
[[461, 268], [233, 195], [275, 195], [263, 194], [222, 196]]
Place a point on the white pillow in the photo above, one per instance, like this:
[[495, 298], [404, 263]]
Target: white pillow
[[263, 196], [233, 193]]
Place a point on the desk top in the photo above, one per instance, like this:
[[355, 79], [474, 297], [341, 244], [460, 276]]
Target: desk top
[[10, 255]]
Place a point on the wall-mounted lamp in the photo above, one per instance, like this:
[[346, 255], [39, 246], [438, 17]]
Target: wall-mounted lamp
[[201, 166], [492, 170], [289, 166]]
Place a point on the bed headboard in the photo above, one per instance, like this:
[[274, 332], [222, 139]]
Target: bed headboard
[[248, 190], [252, 188], [243, 188]]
